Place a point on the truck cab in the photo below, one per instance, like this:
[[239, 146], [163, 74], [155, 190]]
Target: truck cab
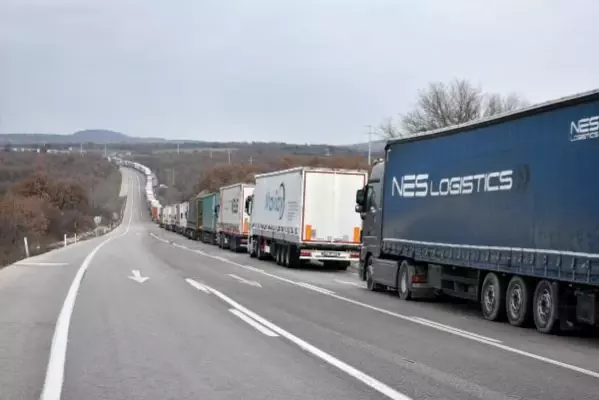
[[369, 203]]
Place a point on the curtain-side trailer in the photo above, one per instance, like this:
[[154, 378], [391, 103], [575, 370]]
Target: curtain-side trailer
[[501, 211]]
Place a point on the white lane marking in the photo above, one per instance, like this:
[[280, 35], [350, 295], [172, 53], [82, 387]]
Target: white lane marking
[[471, 336], [361, 285], [253, 323], [197, 285], [240, 279], [451, 329], [41, 264], [54, 379], [137, 276], [159, 238], [313, 287], [253, 268], [348, 369]]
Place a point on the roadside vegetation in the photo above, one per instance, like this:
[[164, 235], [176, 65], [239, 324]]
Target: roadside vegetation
[[44, 196]]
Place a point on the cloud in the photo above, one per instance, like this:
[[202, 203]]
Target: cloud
[[313, 70]]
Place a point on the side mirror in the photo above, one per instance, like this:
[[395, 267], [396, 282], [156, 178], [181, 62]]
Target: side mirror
[[359, 208], [360, 197], [216, 209]]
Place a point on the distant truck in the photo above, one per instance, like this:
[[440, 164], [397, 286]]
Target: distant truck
[[306, 214], [209, 218], [181, 217], [233, 221], [502, 211], [168, 216]]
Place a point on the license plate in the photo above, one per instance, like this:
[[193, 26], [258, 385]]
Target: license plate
[[330, 254]]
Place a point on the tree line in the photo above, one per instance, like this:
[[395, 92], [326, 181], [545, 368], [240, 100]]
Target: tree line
[[44, 196]]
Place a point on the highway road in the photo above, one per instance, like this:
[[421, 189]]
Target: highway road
[[147, 314]]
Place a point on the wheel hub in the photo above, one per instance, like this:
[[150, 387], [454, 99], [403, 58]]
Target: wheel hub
[[516, 300], [489, 297], [544, 306]]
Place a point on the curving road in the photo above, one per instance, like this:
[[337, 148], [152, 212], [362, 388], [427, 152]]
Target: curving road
[[146, 314]]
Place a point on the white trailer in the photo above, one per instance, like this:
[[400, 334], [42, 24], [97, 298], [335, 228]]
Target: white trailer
[[233, 221], [306, 214], [167, 217], [181, 218]]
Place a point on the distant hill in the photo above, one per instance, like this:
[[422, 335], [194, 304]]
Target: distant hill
[[99, 136]]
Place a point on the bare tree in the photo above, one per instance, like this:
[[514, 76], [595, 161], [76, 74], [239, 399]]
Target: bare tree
[[441, 105]]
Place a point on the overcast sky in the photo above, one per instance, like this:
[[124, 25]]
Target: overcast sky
[[297, 71]]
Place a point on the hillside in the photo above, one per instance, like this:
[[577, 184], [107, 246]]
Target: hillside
[[98, 136]]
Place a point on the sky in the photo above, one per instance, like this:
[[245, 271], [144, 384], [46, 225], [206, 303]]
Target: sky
[[309, 71]]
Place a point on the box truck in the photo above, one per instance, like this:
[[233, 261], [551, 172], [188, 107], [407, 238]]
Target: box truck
[[306, 214], [501, 211], [233, 221]]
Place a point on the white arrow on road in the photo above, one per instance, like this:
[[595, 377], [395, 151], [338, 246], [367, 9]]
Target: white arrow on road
[[137, 276], [240, 279]]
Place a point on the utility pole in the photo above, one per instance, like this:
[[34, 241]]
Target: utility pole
[[251, 159], [105, 150], [177, 148], [369, 143], [229, 155]]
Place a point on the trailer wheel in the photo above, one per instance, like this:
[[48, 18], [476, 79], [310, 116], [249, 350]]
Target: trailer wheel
[[404, 281], [545, 307], [492, 294], [291, 256], [518, 301], [370, 283], [278, 256]]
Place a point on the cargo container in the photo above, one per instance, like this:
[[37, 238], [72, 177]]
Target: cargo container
[[306, 214], [233, 221], [502, 211], [181, 218], [192, 228], [168, 217], [209, 220]]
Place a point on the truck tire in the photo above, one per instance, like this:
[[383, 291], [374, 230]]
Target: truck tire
[[370, 283], [233, 244], [492, 294], [404, 281], [518, 300], [252, 248], [259, 249], [291, 256], [545, 307], [278, 256], [220, 241]]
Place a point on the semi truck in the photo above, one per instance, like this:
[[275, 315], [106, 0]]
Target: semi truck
[[192, 227], [202, 218], [233, 221], [502, 211], [181, 217], [306, 214], [209, 218]]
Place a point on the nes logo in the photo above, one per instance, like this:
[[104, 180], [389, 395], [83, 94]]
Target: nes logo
[[421, 185], [584, 128], [276, 201], [235, 206]]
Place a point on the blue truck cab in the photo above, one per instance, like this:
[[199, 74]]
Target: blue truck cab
[[503, 211]]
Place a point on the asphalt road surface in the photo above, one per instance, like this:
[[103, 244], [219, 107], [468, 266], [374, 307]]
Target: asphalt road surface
[[147, 314]]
